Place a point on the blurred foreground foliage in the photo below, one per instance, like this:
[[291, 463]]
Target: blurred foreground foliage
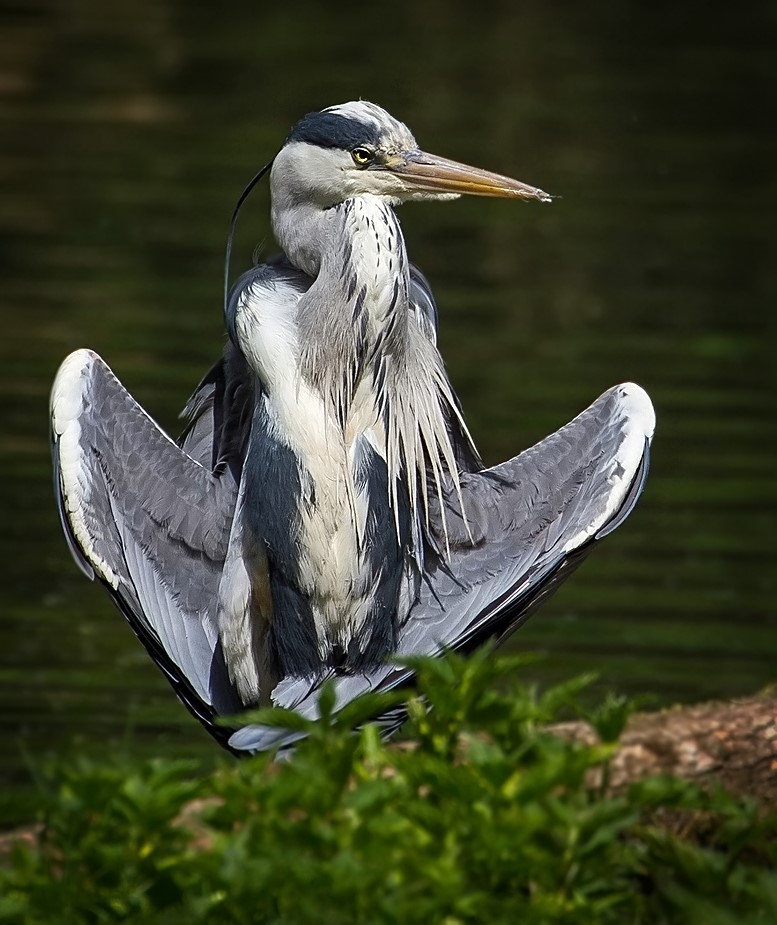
[[481, 815]]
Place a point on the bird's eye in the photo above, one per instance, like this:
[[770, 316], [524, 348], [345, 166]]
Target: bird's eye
[[362, 156]]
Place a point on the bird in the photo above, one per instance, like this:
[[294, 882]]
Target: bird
[[325, 513]]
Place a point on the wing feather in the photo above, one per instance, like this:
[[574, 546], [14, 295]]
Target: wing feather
[[148, 521], [152, 521]]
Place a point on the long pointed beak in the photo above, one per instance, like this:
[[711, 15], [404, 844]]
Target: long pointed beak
[[435, 174]]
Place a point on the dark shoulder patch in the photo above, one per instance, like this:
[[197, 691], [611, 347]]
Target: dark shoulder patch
[[332, 130]]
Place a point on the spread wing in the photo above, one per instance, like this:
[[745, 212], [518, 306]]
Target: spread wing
[[150, 520], [529, 521]]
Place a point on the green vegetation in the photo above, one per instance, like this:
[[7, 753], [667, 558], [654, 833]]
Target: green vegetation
[[481, 816]]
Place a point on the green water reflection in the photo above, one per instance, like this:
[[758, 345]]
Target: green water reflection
[[127, 131]]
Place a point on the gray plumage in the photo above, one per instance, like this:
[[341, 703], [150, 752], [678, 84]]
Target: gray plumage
[[326, 508]]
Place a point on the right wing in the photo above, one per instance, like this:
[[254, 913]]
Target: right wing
[[530, 521], [149, 521]]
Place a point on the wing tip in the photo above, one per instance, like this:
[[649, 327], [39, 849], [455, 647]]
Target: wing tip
[[638, 407], [68, 388], [635, 419], [69, 401], [638, 423]]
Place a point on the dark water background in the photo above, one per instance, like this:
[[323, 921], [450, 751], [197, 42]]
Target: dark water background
[[127, 130]]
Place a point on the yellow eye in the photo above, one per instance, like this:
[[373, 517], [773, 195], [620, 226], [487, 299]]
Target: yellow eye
[[362, 156]]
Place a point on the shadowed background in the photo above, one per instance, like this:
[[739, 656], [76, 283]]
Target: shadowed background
[[128, 129]]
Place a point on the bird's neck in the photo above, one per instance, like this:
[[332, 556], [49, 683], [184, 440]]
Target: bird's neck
[[302, 230], [357, 308], [358, 241], [362, 348], [364, 265]]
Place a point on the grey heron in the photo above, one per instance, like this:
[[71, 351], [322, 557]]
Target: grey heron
[[325, 508]]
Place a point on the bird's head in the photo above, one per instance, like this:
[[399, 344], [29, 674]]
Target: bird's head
[[358, 149]]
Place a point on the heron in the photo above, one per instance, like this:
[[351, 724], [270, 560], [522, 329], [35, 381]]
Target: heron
[[325, 512]]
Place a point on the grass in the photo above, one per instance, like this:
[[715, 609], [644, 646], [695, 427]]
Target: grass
[[480, 815]]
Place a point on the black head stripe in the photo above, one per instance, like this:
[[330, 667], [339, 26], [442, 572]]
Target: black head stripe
[[332, 130]]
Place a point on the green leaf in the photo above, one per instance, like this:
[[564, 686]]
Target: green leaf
[[481, 815]]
